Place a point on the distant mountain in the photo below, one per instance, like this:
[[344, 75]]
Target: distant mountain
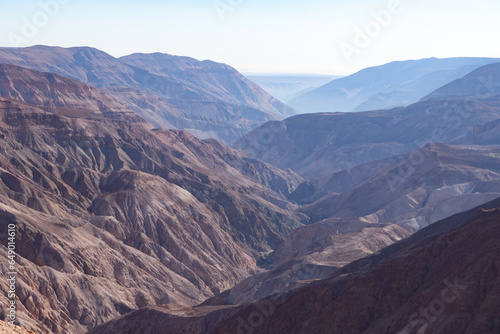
[[441, 280], [396, 84], [210, 100], [316, 145], [112, 214], [480, 84], [288, 86]]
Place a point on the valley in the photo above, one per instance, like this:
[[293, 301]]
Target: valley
[[154, 193]]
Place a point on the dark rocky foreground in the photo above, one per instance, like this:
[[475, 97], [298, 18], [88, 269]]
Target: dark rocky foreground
[[443, 279]]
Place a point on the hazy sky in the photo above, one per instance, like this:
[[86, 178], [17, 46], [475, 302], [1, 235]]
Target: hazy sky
[[292, 36]]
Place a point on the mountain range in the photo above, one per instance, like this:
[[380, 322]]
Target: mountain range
[[315, 145], [319, 223], [397, 84], [209, 99], [356, 211], [375, 211]]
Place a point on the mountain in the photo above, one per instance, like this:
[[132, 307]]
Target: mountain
[[315, 145], [481, 83], [112, 214], [391, 85], [445, 179], [59, 94], [388, 200], [219, 81], [443, 279], [362, 191], [288, 86], [209, 99]]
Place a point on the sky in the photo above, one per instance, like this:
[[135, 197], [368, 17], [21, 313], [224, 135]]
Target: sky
[[336, 37]]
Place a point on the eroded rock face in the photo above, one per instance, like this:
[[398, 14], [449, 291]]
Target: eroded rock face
[[443, 279], [112, 216], [312, 253], [55, 93]]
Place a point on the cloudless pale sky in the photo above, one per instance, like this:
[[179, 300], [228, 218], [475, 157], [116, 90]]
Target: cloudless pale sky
[[275, 36]]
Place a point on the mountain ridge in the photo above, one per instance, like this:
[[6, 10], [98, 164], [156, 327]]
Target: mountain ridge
[[205, 107], [396, 84]]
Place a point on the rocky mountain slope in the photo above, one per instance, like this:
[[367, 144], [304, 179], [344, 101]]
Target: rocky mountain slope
[[58, 94], [312, 253], [396, 84], [443, 279], [439, 183], [210, 100], [112, 215], [219, 81], [388, 200]]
